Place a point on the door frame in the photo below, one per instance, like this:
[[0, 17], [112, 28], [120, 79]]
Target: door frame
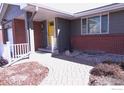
[[48, 20]]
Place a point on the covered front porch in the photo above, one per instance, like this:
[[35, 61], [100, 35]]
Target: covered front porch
[[45, 29], [35, 27]]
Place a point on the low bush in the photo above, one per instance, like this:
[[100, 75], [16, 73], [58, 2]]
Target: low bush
[[121, 64], [3, 61], [106, 70], [95, 80], [106, 73]]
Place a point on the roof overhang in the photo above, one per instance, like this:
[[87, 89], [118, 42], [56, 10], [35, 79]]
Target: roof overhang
[[44, 12], [107, 8]]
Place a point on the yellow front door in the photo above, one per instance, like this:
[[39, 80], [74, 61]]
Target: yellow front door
[[50, 32]]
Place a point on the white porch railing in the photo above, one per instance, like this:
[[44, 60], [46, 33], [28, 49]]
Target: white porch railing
[[19, 50], [14, 52]]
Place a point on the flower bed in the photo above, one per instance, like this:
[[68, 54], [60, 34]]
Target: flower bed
[[28, 73]]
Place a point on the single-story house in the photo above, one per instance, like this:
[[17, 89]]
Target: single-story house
[[99, 29]]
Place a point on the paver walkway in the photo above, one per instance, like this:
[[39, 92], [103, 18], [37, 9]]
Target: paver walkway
[[62, 72]]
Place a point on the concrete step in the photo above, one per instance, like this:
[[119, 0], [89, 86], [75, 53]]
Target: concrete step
[[45, 50]]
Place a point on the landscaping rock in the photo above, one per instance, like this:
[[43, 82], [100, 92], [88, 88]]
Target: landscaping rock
[[67, 53], [95, 57]]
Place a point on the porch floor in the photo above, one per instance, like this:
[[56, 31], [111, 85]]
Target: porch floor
[[61, 72]]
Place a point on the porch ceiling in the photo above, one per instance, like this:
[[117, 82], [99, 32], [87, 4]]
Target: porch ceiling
[[45, 13], [20, 17]]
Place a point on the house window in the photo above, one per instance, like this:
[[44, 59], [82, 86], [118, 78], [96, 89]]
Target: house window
[[95, 25], [104, 24], [84, 26]]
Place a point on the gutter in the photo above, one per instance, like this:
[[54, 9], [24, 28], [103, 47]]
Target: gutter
[[108, 8]]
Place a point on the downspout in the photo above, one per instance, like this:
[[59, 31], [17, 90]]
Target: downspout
[[34, 13]]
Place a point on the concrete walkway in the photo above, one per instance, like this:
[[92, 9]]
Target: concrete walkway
[[62, 72]]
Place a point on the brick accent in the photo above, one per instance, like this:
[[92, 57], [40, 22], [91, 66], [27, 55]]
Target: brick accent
[[112, 43], [37, 35], [19, 34]]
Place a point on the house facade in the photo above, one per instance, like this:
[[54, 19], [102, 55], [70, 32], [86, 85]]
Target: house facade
[[99, 29]]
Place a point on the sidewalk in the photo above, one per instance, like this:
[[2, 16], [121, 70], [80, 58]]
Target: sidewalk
[[62, 72]]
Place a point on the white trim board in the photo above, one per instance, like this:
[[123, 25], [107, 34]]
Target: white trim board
[[100, 25]]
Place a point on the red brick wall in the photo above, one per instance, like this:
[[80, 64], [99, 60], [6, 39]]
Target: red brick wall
[[37, 35], [109, 43], [19, 34], [4, 36]]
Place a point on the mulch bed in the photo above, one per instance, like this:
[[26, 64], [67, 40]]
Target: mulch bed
[[107, 73], [28, 73]]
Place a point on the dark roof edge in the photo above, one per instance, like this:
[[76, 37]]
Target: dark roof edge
[[97, 8]]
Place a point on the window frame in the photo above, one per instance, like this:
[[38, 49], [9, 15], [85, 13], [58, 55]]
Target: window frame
[[100, 15]]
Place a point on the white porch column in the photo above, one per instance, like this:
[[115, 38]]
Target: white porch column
[[32, 40], [29, 30], [8, 51]]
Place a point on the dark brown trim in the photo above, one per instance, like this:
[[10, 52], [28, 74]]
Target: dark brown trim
[[14, 29], [97, 8]]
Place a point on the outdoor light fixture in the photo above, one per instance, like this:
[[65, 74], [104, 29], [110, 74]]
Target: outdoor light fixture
[[58, 31]]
